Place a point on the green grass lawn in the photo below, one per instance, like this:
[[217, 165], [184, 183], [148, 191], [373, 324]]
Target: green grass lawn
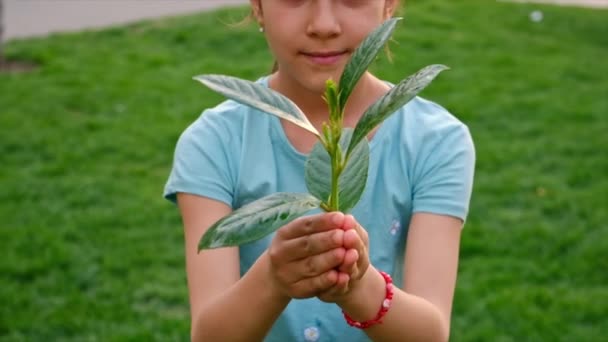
[[91, 251]]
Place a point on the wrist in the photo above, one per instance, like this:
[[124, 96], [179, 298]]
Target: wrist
[[364, 299]]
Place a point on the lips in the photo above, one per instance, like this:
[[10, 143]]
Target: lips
[[325, 57]]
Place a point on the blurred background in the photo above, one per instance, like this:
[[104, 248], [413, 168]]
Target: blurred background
[[25, 18], [94, 94]]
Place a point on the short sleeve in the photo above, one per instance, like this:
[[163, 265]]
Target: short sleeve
[[444, 179], [202, 164]]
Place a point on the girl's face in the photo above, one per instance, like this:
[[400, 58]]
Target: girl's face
[[312, 40]]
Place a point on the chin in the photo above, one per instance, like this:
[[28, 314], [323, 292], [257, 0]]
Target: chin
[[316, 83]]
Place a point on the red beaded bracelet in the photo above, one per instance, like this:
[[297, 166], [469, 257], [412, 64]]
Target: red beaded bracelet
[[386, 304]]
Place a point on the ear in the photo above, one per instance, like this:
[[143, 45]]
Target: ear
[[256, 11], [390, 7]]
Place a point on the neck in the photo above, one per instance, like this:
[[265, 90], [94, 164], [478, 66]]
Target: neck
[[367, 91], [310, 102]]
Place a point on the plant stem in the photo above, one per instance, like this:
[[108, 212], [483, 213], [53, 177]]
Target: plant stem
[[335, 177], [332, 134], [336, 160]]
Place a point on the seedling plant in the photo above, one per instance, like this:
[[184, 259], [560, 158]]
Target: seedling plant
[[336, 170]]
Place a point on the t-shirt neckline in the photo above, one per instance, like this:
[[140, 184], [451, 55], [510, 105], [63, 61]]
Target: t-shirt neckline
[[279, 132]]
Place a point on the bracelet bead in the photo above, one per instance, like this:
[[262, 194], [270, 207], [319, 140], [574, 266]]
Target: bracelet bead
[[386, 304]]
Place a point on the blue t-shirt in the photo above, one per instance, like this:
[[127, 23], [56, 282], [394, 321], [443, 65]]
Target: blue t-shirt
[[421, 160]]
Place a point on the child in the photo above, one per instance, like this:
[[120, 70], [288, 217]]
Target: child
[[320, 277]]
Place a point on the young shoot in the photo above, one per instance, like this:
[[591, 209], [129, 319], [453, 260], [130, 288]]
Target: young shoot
[[336, 169]]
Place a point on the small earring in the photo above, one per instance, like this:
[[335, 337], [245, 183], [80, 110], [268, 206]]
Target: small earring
[[261, 29]]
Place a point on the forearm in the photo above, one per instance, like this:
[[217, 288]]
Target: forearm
[[410, 318], [243, 312]]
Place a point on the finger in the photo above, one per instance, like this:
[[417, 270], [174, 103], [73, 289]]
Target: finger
[[340, 288], [343, 280], [353, 240], [310, 225], [318, 264], [309, 245], [357, 239], [363, 234], [349, 265], [310, 287], [349, 222]]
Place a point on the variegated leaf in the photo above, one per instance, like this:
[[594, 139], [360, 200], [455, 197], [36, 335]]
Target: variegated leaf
[[363, 56], [257, 96], [257, 219], [353, 179], [396, 98]]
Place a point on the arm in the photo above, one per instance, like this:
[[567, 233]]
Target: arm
[[420, 311], [299, 263], [217, 297], [442, 179]]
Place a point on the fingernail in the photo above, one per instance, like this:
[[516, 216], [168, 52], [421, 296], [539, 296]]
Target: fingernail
[[349, 221], [338, 218]]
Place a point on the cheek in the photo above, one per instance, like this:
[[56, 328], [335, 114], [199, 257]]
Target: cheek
[[279, 46], [283, 40]]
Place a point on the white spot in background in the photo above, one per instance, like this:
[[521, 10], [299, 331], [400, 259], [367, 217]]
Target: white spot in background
[[120, 108], [536, 16]]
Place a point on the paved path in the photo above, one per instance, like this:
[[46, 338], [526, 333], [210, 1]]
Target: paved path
[[582, 3], [27, 18]]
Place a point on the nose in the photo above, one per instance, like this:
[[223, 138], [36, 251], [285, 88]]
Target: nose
[[323, 22]]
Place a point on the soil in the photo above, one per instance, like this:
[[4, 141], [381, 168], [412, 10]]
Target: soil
[[15, 67]]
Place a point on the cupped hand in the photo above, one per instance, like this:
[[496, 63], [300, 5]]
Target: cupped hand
[[307, 255], [355, 263]]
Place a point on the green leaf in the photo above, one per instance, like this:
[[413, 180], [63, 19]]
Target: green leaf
[[331, 98], [353, 179], [317, 173], [396, 98], [257, 219], [363, 56], [257, 96]]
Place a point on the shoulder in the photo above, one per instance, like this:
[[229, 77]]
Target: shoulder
[[429, 118], [430, 138], [439, 157], [423, 124], [227, 119]]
